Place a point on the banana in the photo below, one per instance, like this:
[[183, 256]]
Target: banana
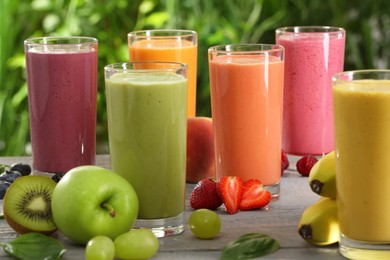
[[322, 178], [319, 223]]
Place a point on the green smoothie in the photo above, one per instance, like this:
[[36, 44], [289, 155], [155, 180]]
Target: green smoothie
[[147, 121]]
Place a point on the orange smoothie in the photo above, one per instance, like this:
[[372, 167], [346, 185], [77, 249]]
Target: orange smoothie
[[362, 134], [170, 50], [246, 98]]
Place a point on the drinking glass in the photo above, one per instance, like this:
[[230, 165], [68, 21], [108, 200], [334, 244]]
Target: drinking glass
[[246, 83], [62, 87], [362, 134], [313, 54], [168, 45], [147, 130]]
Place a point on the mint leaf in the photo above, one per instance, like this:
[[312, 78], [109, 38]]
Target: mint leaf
[[34, 246], [249, 246]]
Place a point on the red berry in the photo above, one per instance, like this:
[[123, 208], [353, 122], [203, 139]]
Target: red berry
[[305, 164], [254, 195], [230, 191], [205, 195], [285, 162]]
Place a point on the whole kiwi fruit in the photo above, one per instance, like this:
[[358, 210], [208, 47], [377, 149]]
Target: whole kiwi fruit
[[27, 205]]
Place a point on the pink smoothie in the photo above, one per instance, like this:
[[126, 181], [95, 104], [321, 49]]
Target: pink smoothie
[[310, 62], [62, 98]]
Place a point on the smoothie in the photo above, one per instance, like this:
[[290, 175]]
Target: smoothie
[[147, 135], [246, 98], [62, 90], [310, 62], [362, 127], [170, 50]]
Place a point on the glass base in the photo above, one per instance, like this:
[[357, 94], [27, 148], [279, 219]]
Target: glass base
[[162, 227], [274, 190], [353, 249]]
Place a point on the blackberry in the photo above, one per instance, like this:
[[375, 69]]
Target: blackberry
[[24, 169], [57, 177]]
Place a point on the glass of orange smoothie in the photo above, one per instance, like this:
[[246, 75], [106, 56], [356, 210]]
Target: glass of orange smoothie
[[172, 46], [246, 82], [362, 135]]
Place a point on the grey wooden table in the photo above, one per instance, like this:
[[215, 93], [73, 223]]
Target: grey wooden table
[[279, 221]]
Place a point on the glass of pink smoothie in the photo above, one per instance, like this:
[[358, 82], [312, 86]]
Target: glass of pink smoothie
[[62, 87], [313, 55], [147, 130], [246, 83], [362, 134]]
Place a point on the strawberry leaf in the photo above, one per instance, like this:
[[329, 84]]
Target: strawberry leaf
[[34, 246], [250, 246]]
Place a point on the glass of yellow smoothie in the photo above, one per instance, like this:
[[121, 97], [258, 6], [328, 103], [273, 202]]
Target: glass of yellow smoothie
[[147, 126], [362, 135]]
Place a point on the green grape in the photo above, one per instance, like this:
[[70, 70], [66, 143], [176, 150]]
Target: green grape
[[136, 244], [100, 248], [204, 223]]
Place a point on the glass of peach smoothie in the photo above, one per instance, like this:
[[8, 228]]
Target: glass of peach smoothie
[[362, 135], [246, 82], [168, 45]]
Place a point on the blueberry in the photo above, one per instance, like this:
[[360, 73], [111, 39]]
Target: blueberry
[[24, 169], [10, 176], [3, 188]]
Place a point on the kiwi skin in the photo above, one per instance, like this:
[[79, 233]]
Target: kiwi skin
[[18, 193]]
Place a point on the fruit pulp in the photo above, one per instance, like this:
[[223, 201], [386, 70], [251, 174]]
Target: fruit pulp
[[170, 50], [62, 89], [310, 62], [147, 137], [246, 98], [362, 128]]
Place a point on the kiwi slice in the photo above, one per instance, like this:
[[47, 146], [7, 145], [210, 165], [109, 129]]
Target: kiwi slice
[[27, 205]]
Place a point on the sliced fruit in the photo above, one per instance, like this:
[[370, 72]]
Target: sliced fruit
[[254, 195], [230, 191], [27, 205]]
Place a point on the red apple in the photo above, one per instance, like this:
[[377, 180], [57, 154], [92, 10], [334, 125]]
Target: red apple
[[200, 149]]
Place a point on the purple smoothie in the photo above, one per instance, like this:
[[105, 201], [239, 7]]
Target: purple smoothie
[[62, 90], [311, 59]]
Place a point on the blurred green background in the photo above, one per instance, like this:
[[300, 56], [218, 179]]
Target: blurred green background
[[216, 21]]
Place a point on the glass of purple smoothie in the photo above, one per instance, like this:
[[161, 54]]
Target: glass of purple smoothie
[[313, 54], [62, 89]]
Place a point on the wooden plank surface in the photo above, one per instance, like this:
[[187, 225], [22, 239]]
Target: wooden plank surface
[[279, 221]]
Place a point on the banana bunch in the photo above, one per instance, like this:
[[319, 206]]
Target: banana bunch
[[319, 222]]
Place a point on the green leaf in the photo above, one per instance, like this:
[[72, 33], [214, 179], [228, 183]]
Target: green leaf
[[34, 246], [249, 246]]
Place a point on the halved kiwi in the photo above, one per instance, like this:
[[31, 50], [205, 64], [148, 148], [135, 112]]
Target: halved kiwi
[[27, 205]]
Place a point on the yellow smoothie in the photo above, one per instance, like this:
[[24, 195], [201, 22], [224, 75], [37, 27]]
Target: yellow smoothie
[[362, 127]]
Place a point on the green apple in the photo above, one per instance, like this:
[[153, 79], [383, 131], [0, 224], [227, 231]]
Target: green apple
[[90, 201]]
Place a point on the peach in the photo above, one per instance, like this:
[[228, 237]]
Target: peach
[[200, 149]]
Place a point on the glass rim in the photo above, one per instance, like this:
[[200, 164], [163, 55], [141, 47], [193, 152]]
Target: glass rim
[[317, 29], [347, 76], [122, 66], [160, 33], [61, 40], [258, 48]]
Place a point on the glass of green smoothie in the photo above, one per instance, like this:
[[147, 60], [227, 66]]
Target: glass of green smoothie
[[147, 126]]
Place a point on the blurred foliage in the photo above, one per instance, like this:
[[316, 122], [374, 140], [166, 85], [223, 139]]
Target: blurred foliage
[[217, 22]]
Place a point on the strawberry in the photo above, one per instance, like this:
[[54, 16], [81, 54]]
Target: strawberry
[[254, 195], [230, 191], [305, 164], [285, 162], [205, 195]]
